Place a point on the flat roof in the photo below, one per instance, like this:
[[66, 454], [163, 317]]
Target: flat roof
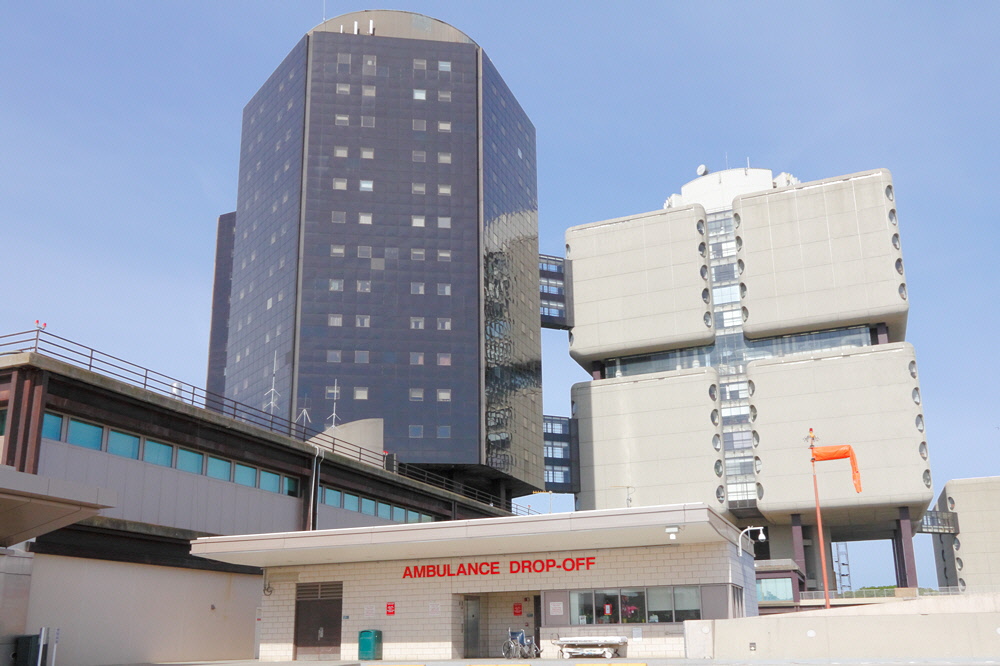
[[581, 530]]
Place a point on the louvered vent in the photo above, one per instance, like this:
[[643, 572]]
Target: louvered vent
[[331, 590]]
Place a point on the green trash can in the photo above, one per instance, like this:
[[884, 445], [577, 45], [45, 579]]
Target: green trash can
[[370, 644]]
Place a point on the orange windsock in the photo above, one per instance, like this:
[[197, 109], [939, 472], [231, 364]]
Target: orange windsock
[[836, 453]]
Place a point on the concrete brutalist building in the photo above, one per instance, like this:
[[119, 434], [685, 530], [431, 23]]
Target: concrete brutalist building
[[723, 327]]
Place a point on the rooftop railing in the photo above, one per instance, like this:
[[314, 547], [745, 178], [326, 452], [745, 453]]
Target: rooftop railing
[[48, 344]]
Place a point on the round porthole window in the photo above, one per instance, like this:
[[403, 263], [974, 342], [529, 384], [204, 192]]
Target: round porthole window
[[888, 192], [959, 563], [708, 319], [702, 249], [922, 449], [713, 392], [705, 296], [902, 291], [913, 369], [919, 421], [760, 492], [737, 221], [756, 465], [927, 478], [751, 387], [745, 313], [956, 544], [720, 494], [756, 438], [961, 584], [701, 227], [895, 241], [916, 395], [743, 290], [570, 338], [717, 442], [572, 408], [753, 413], [899, 266], [892, 216], [740, 266], [951, 503], [715, 417], [718, 468], [739, 243], [704, 272]]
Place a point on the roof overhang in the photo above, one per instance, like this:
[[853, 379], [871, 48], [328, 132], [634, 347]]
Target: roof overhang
[[671, 525], [32, 505]]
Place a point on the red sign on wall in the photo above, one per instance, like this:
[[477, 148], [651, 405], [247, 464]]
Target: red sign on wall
[[518, 609], [390, 608]]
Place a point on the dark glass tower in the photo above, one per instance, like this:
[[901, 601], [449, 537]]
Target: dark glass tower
[[385, 250]]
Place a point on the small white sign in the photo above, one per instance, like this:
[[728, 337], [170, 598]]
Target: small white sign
[[555, 608], [369, 610], [433, 608], [636, 634]]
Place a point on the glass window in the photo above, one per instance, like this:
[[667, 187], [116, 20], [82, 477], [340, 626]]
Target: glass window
[[337, 251], [364, 218], [364, 251], [336, 284], [419, 93], [581, 607], [416, 288], [416, 358], [416, 323], [417, 220], [444, 255], [419, 125], [343, 58], [367, 153], [660, 604], [416, 431], [418, 188], [291, 486], [338, 217], [343, 88], [444, 432], [444, 126], [444, 289], [687, 603], [444, 223], [270, 481], [444, 359], [335, 320], [360, 392], [444, 158], [633, 605], [606, 603], [52, 426], [444, 65], [363, 321], [385, 510], [444, 323], [368, 121], [417, 254], [367, 506], [367, 91], [416, 394], [219, 468], [444, 190], [341, 119], [412, 516], [419, 63], [340, 151], [361, 356], [190, 461], [331, 497], [366, 185], [774, 589], [351, 502], [123, 444], [158, 453], [399, 514], [87, 435], [444, 95], [364, 286], [340, 183], [444, 395], [419, 155], [246, 475]]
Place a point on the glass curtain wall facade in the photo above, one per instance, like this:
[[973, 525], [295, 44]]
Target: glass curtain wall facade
[[375, 273]]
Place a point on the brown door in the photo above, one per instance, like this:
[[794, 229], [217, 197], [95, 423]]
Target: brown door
[[317, 621]]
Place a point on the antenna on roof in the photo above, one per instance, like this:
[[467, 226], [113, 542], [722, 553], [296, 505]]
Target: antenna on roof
[[272, 395], [324, 11]]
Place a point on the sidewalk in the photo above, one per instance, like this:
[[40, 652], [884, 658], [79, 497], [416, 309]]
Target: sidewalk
[[598, 662]]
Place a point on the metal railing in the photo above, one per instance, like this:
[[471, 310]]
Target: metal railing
[[48, 344], [939, 522], [891, 592]]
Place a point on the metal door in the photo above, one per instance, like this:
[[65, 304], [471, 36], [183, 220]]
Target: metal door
[[318, 611], [472, 628]]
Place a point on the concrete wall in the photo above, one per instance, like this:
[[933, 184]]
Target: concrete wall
[[923, 629], [654, 433], [970, 559], [636, 284], [118, 613], [164, 496], [820, 255], [15, 585], [867, 398], [429, 612]]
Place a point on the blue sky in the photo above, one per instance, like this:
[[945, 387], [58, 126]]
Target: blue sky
[[120, 140]]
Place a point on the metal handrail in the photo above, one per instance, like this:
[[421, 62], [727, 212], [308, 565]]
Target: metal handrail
[[48, 344]]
